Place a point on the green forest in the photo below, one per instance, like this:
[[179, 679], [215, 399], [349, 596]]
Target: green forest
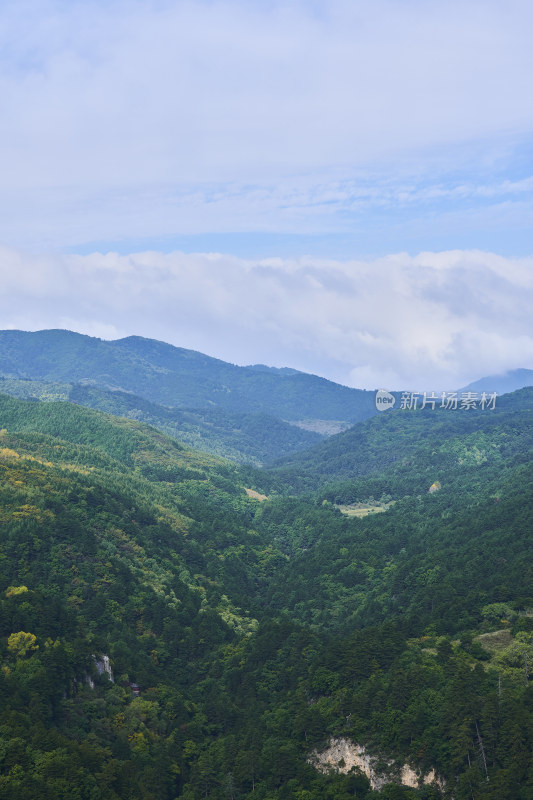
[[178, 625]]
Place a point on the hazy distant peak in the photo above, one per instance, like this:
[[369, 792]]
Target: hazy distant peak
[[507, 382]]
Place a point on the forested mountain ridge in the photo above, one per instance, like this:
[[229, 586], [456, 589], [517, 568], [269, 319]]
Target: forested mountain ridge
[[376, 444], [244, 438], [243, 635], [177, 377], [242, 413]]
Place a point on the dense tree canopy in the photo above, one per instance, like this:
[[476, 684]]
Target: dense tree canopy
[[163, 635]]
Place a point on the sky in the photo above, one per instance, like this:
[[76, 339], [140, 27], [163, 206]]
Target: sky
[[344, 187]]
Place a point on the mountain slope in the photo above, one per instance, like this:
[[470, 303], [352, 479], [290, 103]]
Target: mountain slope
[[242, 636], [176, 377], [376, 444], [245, 438]]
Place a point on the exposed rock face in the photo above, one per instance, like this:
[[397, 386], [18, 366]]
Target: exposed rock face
[[342, 754], [103, 665]]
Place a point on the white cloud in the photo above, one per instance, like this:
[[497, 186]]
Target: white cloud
[[437, 320], [159, 117]]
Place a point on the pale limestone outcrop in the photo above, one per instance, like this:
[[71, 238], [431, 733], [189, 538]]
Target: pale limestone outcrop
[[342, 755]]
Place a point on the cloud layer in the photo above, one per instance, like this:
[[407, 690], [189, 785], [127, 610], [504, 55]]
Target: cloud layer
[[159, 118], [437, 320], [340, 128]]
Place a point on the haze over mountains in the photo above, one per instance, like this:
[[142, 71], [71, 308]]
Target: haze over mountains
[[181, 378], [254, 414], [509, 382], [240, 412]]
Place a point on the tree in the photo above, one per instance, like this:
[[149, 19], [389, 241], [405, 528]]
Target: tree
[[22, 643]]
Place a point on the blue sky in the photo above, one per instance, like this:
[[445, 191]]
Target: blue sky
[[303, 131]]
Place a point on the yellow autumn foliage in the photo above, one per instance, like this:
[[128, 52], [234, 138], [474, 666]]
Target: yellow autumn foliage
[[12, 591], [22, 643]]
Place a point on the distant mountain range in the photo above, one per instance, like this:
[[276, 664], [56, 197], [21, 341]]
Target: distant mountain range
[[253, 414], [508, 382]]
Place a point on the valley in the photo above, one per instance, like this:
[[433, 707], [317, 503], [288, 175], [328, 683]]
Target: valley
[[262, 629]]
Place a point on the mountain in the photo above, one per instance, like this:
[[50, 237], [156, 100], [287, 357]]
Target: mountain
[[176, 377], [244, 438], [446, 486], [250, 414], [508, 382], [165, 632], [391, 438]]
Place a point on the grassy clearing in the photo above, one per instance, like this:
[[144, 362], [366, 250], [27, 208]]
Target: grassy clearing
[[364, 509], [495, 641]]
